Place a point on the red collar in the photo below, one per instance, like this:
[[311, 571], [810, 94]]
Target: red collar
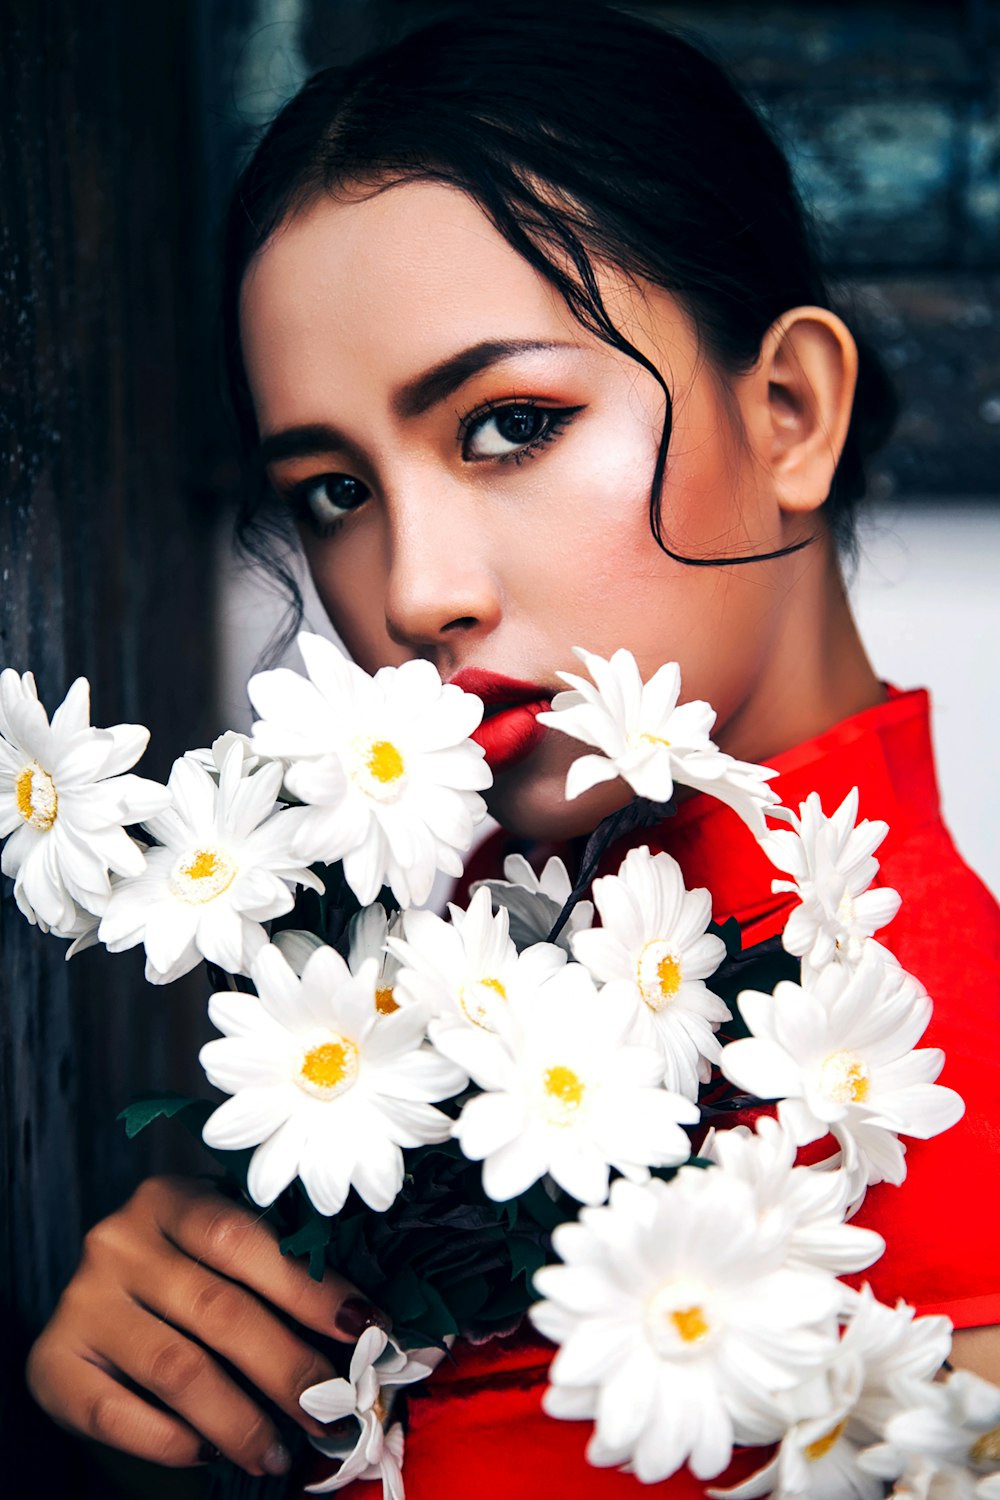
[[885, 751]]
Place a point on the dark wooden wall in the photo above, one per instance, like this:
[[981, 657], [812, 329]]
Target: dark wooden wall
[[106, 436]]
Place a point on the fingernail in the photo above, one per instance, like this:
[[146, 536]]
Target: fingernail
[[208, 1454], [277, 1459], [355, 1314]]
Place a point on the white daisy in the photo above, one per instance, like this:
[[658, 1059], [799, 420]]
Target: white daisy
[[82, 933], [213, 756], [650, 740], [839, 1054], [815, 1201], [296, 946], [322, 1085], [466, 971], [679, 1323], [384, 763], [832, 866], [948, 1446], [366, 938], [535, 901], [223, 866], [816, 1459], [379, 1369], [885, 1358], [371, 1454], [653, 948], [564, 1093], [64, 803]]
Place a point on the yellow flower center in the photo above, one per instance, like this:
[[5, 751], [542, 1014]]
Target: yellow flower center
[[821, 1447], [691, 1323], [677, 1320], [477, 1005], [385, 1001], [986, 1449], [201, 876], [204, 866], [329, 1068], [845, 1077], [37, 800], [379, 770], [659, 974], [846, 910], [566, 1089], [654, 739], [384, 761]]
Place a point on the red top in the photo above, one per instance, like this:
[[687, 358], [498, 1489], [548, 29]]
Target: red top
[[476, 1427]]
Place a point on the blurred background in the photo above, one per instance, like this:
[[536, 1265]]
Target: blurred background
[[124, 125]]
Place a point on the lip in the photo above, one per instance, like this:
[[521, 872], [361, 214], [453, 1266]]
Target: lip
[[494, 688], [510, 733]]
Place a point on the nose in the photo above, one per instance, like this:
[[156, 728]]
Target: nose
[[443, 582]]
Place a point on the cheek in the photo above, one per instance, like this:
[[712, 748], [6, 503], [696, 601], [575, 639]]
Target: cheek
[[601, 580], [349, 575]]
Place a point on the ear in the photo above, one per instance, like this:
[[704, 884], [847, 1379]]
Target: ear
[[809, 367]]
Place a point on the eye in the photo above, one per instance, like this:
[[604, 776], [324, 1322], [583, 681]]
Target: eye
[[324, 500], [512, 430]]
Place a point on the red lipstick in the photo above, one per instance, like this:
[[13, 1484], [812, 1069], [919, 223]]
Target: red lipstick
[[509, 730]]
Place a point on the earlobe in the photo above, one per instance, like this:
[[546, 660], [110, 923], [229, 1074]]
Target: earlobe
[[810, 361]]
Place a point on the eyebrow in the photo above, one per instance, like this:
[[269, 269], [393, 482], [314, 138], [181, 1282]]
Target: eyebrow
[[411, 400]]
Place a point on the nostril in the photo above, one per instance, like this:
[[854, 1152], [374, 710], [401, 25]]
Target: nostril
[[462, 623]]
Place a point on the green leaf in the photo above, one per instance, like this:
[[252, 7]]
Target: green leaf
[[149, 1107], [403, 1298], [310, 1239], [441, 1320], [516, 1299], [537, 1205], [526, 1257], [729, 932], [468, 1297]]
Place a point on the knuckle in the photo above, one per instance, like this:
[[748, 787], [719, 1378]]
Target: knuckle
[[255, 1438], [155, 1194], [310, 1369], [218, 1302], [174, 1368], [104, 1416], [102, 1241], [171, 1449], [147, 1200], [225, 1229]]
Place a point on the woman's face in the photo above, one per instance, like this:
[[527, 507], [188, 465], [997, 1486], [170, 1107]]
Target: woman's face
[[498, 515]]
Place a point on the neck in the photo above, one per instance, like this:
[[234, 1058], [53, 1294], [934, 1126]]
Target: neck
[[817, 671]]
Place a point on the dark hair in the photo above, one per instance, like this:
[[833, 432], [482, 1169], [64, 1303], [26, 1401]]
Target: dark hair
[[581, 130]]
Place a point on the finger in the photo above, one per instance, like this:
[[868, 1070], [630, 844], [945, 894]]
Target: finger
[[88, 1400], [244, 1247], [232, 1321], [184, 1376]]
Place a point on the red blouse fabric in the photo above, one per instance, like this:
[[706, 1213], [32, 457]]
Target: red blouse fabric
[[476, 1427]]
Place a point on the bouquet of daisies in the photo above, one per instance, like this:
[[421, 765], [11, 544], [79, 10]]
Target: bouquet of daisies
[[530, 1106]]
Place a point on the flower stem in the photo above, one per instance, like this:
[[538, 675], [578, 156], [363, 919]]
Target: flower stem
[[639, 813]]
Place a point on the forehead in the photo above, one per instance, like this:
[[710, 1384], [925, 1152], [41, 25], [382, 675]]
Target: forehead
[[383, 286]]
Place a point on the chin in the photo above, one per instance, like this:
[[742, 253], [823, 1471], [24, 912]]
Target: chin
[[530, 803]]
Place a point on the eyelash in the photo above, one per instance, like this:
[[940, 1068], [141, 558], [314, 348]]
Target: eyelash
[[559, 419]]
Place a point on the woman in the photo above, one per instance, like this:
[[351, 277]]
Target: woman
[[525, 327]]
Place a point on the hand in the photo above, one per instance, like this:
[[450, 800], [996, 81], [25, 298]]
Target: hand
[[177, 1260]]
